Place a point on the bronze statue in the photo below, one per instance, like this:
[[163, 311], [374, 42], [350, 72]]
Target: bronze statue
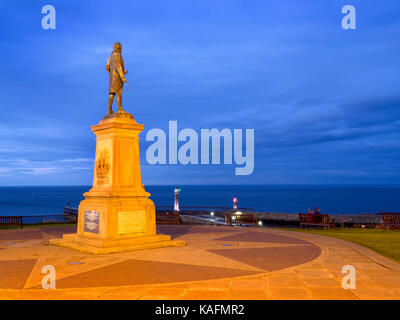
[[115, 67]]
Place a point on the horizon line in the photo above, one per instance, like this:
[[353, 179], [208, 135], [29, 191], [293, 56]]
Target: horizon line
[[233, 185]]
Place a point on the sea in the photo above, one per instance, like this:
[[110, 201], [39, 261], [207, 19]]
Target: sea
[[27, 201]]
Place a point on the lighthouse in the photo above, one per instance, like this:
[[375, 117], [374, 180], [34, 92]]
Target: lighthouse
[[176, 203], [235, 203]]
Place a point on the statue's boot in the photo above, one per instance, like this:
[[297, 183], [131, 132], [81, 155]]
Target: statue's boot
[[110, 102], [119, 100]]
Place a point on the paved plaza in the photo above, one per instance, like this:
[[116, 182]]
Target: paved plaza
[[218, 262]]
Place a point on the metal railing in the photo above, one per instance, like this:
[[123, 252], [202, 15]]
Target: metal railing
[[50, 219], [202, 208]]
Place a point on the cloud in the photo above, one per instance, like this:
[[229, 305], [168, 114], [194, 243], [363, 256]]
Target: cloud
[[39, 168], [320, 121]]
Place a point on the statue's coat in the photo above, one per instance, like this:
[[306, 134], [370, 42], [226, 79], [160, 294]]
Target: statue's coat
[[115, 64]]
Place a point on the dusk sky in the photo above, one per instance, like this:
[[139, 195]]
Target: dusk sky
[[324, 102]]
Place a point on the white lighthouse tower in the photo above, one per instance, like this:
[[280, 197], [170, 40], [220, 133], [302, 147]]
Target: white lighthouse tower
[[176, 203]]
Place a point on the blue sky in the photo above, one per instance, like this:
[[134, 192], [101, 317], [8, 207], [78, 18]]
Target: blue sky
[[324, 102]]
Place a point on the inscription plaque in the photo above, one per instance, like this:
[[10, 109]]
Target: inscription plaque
[[132, 222], [92, 221]]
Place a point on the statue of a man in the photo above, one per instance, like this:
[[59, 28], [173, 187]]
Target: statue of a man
[[115, 67]]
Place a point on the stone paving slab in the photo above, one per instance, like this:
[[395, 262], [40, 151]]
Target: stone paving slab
[[271, 259], [263, 237], [218, 263], [19, 270], [139, 272]]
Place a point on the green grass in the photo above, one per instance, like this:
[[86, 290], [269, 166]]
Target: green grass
[[386, 243]]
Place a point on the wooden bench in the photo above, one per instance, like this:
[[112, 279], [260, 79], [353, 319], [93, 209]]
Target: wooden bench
[[316, 220], [168, 218], [231, 219], [11, 221], [391, 220]]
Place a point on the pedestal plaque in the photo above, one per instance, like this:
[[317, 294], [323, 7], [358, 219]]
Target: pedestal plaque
[[91, 221], [131, 222]]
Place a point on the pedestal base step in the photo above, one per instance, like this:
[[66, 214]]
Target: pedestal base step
[[79, 243]]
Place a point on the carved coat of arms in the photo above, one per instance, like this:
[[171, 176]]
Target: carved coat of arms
[[103, 167]]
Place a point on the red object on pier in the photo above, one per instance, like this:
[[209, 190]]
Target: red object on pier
[[235, 203]]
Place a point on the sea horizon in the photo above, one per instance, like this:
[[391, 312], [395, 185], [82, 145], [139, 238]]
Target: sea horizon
[[223, 184], [293, 198]]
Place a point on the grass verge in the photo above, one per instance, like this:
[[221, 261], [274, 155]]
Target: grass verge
[[386, 243]]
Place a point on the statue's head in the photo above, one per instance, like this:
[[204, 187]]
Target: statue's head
[[117, 47]]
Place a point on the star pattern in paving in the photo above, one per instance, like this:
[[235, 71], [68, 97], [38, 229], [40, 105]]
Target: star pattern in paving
[[211, 253]]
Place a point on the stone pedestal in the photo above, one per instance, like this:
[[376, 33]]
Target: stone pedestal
[[117, 214]]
